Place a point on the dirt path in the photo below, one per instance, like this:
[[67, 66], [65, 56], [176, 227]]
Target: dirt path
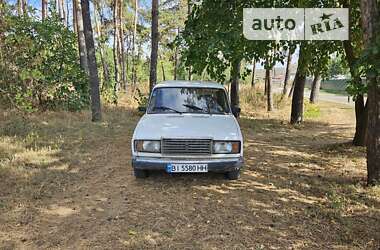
[[301, 189]]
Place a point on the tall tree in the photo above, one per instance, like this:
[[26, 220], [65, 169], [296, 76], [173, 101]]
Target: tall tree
[[122, 50], [81, 38], [287, 74], [163, 71], [313, 58], [315, 86], [62, 11], [19, 7], [116, 44], [268, 84], [235, 76], [44, 9], [75, 20], [190, 69], [59, 9], [93, 69], [253, 72], [67, 14], [24, 7], [176, 58], [134, 35], [361, 109], [298, 92], [352, 49], [370, 24], [154, 46], [106, 74]]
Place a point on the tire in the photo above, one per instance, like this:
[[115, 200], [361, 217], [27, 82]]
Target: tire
[[233, 175], [140, 174]]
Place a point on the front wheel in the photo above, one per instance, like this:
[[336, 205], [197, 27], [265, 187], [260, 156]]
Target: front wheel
[[139, 174], [233, 175]]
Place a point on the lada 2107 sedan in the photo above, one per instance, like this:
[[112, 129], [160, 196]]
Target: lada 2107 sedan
[[188, 127]]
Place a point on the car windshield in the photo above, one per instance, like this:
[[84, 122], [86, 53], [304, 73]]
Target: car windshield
[[188, 100]]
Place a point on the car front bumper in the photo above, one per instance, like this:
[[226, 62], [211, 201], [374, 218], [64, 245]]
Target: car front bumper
[[214, 165]]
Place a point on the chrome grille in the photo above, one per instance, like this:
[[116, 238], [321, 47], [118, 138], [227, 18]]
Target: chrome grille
[[186, 146]]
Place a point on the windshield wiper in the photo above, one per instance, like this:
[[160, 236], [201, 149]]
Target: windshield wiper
[[167, 108], [195, 108]]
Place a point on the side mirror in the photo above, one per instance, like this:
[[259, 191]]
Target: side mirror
[[142, 109], [236, 111]]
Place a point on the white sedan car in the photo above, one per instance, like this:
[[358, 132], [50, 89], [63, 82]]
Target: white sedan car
[[188, 127]]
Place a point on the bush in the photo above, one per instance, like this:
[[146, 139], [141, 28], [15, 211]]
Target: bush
[[39, 66]]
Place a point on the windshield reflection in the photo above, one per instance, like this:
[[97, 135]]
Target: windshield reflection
[[188, 100]]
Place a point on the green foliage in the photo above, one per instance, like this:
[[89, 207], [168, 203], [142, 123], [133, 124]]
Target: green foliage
[[354, 89], [39, 65], [355, 85], [141, 98], [369, 62], [212, 40], [366, 67], [337, 66]]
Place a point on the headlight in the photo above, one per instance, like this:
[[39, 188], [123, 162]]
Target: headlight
[[147, 146], [226, 147]]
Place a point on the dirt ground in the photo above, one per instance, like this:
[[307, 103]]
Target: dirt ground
[[67, 183]]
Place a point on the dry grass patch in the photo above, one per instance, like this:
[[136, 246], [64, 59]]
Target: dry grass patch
[[67, 183]]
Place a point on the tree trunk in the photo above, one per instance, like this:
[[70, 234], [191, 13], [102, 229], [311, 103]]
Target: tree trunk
[[116, 44], [81, 39], [1, 12], [287, 74], [265, 86], [75, 20], [373, 143], [370, 24], [298, 92], [106, 77], [175, 63], [253, 72], [190, 73], [361, 112], [235, 75], [268, 81], [190, 69], [67, 14], [25, 7], [122, 50], [163, 72], [63, 12], [127, 59], [44, 9], [93, 69], [154, 50], [315, 87], [19, 7], [135, 19], [291, 90], [176, 59]]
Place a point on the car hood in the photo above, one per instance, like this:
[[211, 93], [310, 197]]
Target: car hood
[[217, 127]]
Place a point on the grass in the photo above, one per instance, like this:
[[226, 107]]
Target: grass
[[312, 111], [335, 91], [67, 183]]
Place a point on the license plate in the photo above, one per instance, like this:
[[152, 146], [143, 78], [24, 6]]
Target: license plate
[[187, 168]]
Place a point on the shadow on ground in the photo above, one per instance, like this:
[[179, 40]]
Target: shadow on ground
[[69, 184]]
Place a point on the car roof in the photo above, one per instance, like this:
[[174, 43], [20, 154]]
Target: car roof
[[189, 84]]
